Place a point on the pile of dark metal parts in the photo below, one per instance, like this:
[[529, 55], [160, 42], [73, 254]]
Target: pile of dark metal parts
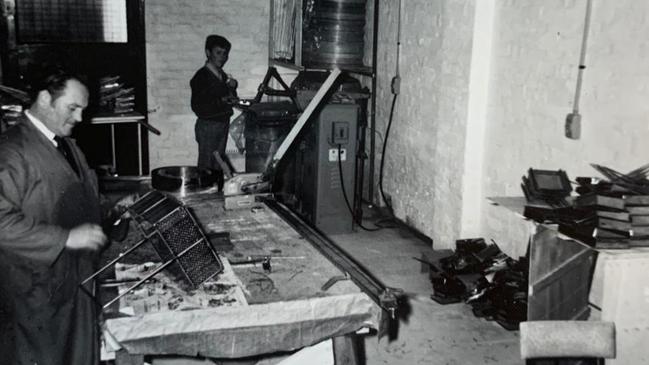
[[547, 187], [481, 275], [610, 212]]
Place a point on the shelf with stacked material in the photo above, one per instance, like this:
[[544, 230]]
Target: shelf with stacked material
[[113, 120]]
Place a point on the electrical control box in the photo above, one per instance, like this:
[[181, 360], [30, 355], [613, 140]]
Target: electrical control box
[[326, 148]]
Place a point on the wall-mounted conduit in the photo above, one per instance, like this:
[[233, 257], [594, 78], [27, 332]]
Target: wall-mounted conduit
[[573, 120]]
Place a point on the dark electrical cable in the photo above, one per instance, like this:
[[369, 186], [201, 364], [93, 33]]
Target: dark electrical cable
[[385, 145], [342, 185], [396, 81], [395, 90]]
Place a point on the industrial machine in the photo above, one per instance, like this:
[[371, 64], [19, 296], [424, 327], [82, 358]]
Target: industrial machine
[[310, 163], [324, 168]]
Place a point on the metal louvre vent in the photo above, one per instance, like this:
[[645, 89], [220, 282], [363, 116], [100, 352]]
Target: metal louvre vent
[[160, 210], [175, 235], [145, 202]]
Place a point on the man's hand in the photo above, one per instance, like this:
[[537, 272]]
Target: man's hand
[[126, 201], [230, 100], [86, 236], [231, 82], [120, 208]]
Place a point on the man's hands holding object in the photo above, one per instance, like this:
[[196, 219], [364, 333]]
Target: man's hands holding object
[[86, 236]]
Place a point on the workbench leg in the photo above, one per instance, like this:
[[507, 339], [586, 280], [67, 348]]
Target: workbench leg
[[346, 350], [124, 358]]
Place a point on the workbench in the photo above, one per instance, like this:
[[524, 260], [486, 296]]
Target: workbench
[[286, 308], [570, 280]]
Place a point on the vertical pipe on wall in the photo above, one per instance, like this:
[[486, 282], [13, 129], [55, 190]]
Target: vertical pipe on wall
[[582, 56], [137, 43], [375, 42], [572, 126], [271, 31], [8, 42]]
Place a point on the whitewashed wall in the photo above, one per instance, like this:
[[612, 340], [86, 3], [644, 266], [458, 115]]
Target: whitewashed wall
[[434, 157], [425, 153], [175, 39], [532, 86]]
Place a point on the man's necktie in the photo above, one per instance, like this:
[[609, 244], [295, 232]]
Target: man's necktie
[[65, 150]]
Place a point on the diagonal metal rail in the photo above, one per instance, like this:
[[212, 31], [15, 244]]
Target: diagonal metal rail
[[302, 120], [387, 298]]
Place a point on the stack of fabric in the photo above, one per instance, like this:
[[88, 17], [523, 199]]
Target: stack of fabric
[[12, 103], [114, 96]]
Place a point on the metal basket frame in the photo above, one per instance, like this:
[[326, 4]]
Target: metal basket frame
[[153, 212]]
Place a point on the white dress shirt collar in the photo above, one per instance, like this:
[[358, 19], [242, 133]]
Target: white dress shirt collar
[[41, 127]]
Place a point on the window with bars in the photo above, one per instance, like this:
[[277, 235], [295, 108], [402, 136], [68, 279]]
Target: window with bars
[[52, 21]]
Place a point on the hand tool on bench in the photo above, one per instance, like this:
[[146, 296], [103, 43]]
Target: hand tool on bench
[[264, 261]]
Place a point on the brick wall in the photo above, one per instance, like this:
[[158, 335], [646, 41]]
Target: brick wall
[[531, 85], [536, 53], [175, 37], [424, 158], [531, 82]]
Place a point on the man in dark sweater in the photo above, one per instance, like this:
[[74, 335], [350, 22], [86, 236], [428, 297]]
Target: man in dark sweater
[[211, 91]]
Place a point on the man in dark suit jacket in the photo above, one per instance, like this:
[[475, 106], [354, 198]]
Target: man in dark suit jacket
[[49, 230]]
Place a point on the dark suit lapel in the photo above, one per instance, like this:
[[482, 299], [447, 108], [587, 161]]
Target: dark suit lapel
[[48, 147]]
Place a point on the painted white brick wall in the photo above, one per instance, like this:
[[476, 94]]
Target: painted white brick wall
[[536, 53], [531, 88], [175, 39], [424, 158]]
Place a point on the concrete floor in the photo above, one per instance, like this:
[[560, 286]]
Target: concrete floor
[[433, 333]]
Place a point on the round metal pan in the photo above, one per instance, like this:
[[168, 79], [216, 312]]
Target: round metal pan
[[182, 178]]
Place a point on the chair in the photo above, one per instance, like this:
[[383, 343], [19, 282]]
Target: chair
[[559, 342]]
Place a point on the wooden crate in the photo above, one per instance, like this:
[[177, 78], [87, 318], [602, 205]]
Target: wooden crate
[[560, 277]]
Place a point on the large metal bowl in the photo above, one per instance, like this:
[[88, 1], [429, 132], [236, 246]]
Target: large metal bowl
[[182, 178]]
